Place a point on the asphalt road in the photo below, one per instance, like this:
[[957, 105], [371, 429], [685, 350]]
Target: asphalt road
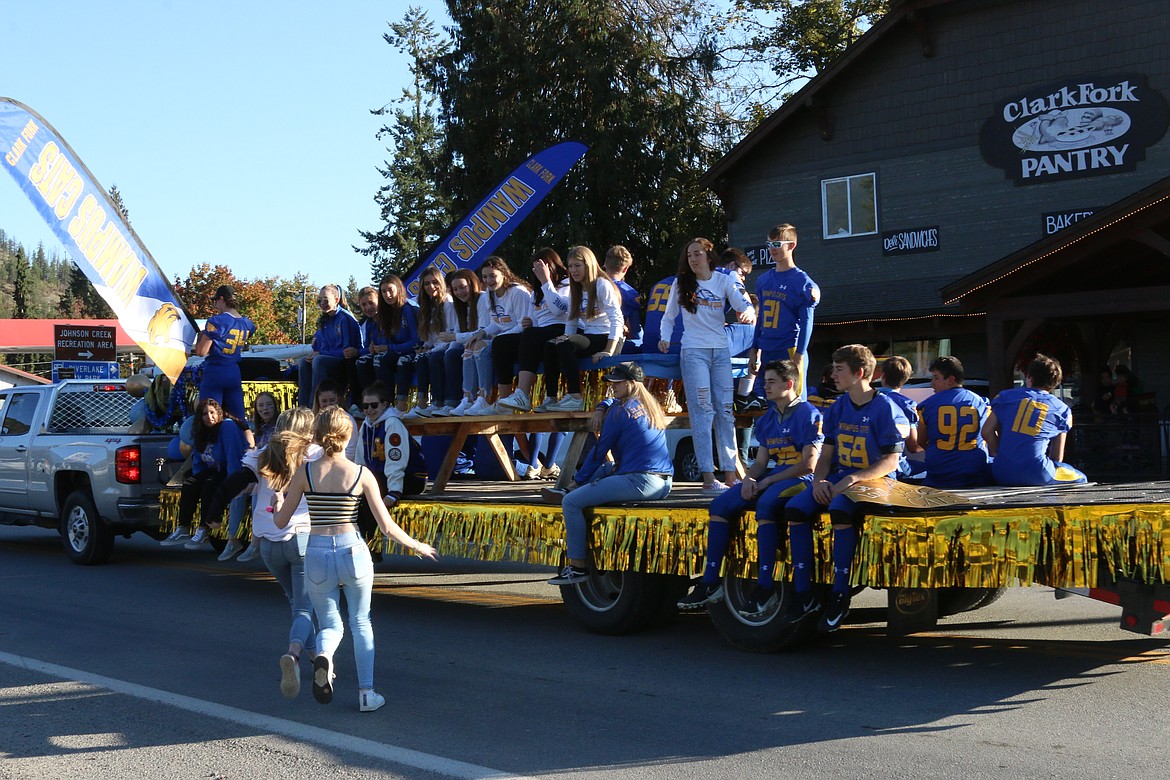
[[163, 663]]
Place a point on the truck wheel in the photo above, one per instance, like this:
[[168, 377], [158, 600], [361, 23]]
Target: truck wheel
[[952, 601], [614, 602], [764, 634], [88, 540], [686, 463]]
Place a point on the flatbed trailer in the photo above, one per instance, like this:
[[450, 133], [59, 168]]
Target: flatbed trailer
[[1107, 542]]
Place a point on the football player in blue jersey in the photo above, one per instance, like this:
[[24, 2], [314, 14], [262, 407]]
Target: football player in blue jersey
[[865, 433], [896, 371], [617, 264], [789, 435], [224, 338], [949, 428], [787, 297], [1026, 429]]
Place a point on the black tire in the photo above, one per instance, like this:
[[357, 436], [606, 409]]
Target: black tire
[[764, 634], [686, 464], [952, 601], [615, 602], [88, 540]]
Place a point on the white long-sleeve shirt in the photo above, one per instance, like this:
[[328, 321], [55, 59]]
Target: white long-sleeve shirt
[[703, 329], [432, 342], [507, 311], [554, 308], [483, 317], [607, 320]]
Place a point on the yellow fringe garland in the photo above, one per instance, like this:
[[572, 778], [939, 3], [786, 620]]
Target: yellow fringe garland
[[1056, 546]]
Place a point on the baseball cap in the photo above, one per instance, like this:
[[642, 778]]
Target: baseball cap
[[623, 372], [225, 292]]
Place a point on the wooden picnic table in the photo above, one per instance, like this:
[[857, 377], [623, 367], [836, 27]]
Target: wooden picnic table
[[492, 426]]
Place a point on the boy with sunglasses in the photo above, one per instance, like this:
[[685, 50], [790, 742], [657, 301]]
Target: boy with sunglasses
[[385, 448], [787, 298]]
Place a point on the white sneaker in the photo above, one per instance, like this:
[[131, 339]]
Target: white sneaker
[[567, 404], [481, 406], [230, 550], [443, 411], [251, 553], [290, 676], [198, 540], [517, 401], [462, 408], [368, 701], [177, 537], [416, 413]]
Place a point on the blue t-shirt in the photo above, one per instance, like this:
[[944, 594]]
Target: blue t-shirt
[[956, 455], [1028, 420], [631, 312], [860, 435], [784, 433], [636, 446], [229, 335], [910, 409], [785, 317]]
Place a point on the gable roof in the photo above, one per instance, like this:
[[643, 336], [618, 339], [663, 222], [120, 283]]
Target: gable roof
[[910, 11]]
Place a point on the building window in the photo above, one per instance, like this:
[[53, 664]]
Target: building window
[[849, 205]]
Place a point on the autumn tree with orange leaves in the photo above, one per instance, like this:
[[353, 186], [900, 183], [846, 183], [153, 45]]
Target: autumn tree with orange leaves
[[273, 303]]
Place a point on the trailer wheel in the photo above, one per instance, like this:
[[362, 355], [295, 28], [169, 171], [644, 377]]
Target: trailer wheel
[[764, 634], [952, 601], [614, 602], [88, 540]]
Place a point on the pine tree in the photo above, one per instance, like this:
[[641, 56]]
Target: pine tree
[[613, 74], [413, 212], [20, 286]]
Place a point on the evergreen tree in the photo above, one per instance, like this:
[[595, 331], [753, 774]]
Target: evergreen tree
[[614, 74], [414, 213], [20, 286]]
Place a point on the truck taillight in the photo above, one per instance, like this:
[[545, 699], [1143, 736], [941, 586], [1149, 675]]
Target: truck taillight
[[128, 465]]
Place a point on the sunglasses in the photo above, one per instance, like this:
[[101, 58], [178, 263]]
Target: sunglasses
[[778, 244], [373, 405]]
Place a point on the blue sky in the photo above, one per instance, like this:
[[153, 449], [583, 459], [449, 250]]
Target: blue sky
[[238, 133]]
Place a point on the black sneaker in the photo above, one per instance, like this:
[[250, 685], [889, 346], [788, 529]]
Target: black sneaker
[[570, 575], [323, 679], [835, 612], [740, 403], [700, 596], [762, 602], [801, 607]]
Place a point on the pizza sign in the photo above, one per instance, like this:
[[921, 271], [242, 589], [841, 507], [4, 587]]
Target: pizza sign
[[1081, 127]]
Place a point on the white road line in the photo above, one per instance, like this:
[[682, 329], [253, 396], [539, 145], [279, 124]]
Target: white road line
[[276, 726]]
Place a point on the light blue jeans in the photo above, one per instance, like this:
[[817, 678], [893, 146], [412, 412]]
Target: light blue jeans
[[333, 563], [472, 381], [706, 376], [285, 561], [484, 371], [607, 488]]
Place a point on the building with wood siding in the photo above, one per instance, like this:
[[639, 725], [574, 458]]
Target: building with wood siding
[[985, 177]]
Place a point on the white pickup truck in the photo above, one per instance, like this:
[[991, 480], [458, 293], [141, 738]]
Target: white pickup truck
[[68, 462]]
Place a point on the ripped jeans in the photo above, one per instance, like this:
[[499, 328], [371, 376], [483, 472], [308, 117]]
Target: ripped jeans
[[706, 376]]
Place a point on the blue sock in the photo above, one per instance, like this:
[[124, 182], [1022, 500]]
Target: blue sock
[[844, 545], [800, 543], [718, 539], [768, 536]]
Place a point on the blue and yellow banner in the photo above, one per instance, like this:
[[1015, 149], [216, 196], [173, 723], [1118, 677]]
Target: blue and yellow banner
[[477, 235], [91, 228]]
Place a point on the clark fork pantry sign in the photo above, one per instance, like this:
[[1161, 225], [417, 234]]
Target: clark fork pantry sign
[[1087, 126]]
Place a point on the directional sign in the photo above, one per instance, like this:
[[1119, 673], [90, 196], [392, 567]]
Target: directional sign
[[84, 369], [85, 342]]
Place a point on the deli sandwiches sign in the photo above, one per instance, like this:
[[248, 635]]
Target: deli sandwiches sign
[[1081, 127]]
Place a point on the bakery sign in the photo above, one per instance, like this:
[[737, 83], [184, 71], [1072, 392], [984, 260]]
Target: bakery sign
[[1086, 126]]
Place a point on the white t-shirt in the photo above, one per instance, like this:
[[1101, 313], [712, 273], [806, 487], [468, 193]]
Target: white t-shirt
[[703, 329], [262, 522]]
